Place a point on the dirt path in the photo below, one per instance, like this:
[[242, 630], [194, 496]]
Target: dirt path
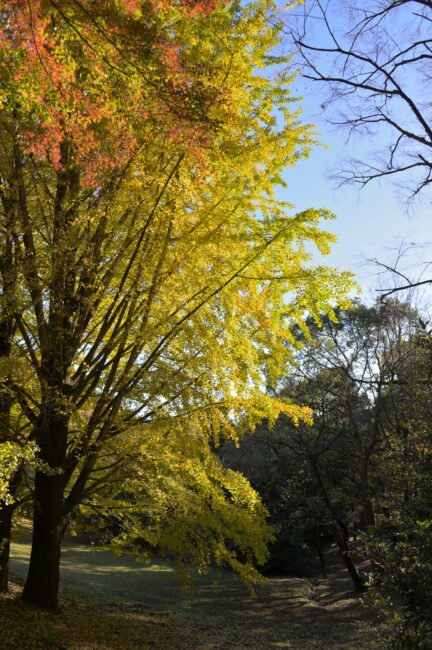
[[287, 613]]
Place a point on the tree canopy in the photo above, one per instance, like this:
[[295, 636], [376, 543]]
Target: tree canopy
[[151, 278]]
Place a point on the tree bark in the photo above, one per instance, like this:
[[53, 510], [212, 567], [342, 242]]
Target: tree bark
[[340, 528], [43, 578], [368, 514], [343, 547], [5, 434], [5, 535], [6, 516], [319, 550], [42, 585]]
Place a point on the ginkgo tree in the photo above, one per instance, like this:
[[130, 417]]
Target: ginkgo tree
[[156, 276]]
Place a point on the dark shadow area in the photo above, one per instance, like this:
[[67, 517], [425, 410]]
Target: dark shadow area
[[218, 612]]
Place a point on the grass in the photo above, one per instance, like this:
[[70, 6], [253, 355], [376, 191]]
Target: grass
[[115, 603]]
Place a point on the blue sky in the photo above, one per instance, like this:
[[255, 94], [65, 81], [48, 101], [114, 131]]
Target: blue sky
[[372, 222]]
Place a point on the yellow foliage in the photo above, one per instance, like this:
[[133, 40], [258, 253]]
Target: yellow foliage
[[157, 307]]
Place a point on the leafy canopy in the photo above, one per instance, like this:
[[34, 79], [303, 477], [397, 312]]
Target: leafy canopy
[[159, 275]]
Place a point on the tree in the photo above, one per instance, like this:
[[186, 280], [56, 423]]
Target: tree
[[152, 256], [328, 472], [375, 62], [384, 355], [13, 457], [399, 279], [6, 328], [173, 494], [401, 543], [377, 455]]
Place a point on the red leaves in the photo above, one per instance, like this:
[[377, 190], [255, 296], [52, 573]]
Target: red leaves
[[131, 6], [171, 58], [99, 75], [200, 7]]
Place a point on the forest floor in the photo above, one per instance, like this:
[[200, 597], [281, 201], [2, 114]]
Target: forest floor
[[115, 603]]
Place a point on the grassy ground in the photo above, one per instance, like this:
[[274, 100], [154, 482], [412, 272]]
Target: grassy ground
[[117, 604]]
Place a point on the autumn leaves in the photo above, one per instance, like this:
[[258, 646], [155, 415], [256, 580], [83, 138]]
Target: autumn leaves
[[159, 275]]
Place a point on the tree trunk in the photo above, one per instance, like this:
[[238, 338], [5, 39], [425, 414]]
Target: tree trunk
[[342, 543], [42, 583], [5, 434], [6, 515], [5, 535], [369, 512], [43, 578], [358, 583], [319, 550], [368, 508], [340, 528]]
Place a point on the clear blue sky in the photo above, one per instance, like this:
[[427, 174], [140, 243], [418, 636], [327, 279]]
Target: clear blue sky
[[371, 221]]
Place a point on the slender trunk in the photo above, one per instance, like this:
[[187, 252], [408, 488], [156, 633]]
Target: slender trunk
[[405, 436], [5, 435], [5, 535], [8, 284], [42, 583], [344, 551], [319, 550], [369, 512], [340, 528], [364, 452], [368, 508], [6, 515]]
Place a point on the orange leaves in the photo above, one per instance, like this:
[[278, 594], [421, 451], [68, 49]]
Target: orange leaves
[[200, 7], [131, 7], [171, 57], [101, 76], [190, 7]]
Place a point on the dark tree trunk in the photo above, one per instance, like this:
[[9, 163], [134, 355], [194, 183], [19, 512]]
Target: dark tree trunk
[[343, 547], [319, 550], [369, 512], [368, 508], [358, 583], [340, 528], [6, 516], [5, 535], [43, 578], [42, 583], [5, 434]]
